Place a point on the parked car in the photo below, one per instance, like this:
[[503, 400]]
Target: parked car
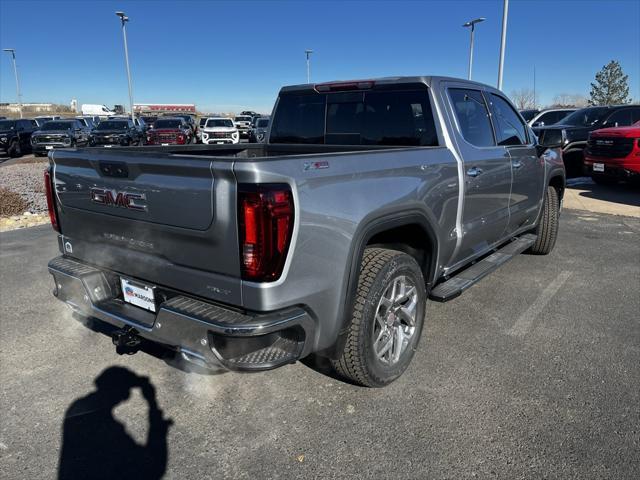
[[613, 154], [528, 114], [575, 129], [201, 123], [170, 131], [250, 113], [100, 110], [66, 133], [189, 119], [258, 133], [243, 123], [139, 122], [368, 197], [15, 136], [550, 116], [42, 119], [116, 132], [149, 120], [87, 122], [218, 130]]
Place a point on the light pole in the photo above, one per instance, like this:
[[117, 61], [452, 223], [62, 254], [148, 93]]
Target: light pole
[[503, 41], [308, 54], [472, 24], [15, 71], [124, 19]]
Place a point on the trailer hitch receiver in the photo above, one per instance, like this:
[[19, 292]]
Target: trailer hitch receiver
[[126, 340]]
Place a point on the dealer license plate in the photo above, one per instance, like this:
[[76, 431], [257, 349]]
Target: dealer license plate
[[48, 147], [598, 167], [138, 294]]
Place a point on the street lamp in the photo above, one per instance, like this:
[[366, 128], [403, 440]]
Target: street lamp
[[308, 54], [472, 24], [15, 71], [503, 41], [124, 19]]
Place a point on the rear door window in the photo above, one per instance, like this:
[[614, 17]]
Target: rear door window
[[473, 116], [509, 128]]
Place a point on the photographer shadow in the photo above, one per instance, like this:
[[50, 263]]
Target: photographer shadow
[[95, 445]]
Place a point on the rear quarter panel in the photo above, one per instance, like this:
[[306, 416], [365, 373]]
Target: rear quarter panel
[[334, 204]]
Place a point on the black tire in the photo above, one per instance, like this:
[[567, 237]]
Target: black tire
[[548, 223], [602, 180], [358, 361], [15, 150]]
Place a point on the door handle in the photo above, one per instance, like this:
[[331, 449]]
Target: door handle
[[516, 164], [474, 172]]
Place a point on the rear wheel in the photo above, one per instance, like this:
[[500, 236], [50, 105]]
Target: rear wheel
[[548, 223], [386, 320]]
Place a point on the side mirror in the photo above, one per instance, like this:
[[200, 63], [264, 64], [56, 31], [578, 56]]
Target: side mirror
[[550, 138]]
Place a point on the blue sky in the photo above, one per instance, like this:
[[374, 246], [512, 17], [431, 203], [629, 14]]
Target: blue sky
[[228, 56]]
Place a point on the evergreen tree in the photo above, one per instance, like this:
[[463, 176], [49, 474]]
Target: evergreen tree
[[611, 86]]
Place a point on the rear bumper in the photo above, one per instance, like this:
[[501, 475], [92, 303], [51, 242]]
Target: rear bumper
[[621, 168], [202, 332]]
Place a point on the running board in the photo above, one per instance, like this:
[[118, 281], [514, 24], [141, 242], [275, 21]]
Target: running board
[[457, 284]]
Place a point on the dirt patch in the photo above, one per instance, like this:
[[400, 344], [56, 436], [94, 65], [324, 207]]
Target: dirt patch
[[11, 203]]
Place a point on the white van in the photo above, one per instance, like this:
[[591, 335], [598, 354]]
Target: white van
[[100, 110]]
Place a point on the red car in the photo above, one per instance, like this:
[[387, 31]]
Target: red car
[[170, 131], [613, 154]]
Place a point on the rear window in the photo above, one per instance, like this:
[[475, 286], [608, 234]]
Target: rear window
[[389, 118]]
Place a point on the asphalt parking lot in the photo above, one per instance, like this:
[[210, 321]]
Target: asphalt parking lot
[[532, 373]]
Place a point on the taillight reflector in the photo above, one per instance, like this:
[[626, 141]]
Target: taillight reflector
[[51, 202], [265, 222]]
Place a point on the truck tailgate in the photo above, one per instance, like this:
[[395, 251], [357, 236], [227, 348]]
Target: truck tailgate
[[166, 219]]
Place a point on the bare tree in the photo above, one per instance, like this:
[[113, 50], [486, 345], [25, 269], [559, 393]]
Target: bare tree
[[570, 100], [524, 98]]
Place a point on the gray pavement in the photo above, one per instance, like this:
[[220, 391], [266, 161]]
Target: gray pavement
[[532, 373]]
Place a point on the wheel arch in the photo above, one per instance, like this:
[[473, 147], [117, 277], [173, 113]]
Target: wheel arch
[[402, 231]]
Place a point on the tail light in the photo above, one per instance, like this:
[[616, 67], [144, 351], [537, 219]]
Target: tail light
[[265, 214], [51, 201]]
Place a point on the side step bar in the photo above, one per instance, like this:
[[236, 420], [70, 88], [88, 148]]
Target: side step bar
[[457, 284]]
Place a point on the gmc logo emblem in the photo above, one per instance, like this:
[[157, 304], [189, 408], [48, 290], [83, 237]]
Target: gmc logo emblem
[[113, 198]]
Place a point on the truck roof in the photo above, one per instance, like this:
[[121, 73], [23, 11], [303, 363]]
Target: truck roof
[[426, 80]]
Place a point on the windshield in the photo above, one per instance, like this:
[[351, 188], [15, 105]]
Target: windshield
[[7, 125], [168, 123], [57, 126], [585, 117], [113, 125], [262, 123], [243, 119], [219, 122]]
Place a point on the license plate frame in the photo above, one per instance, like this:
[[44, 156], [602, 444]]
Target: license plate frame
[[598, 167], [139, 294]]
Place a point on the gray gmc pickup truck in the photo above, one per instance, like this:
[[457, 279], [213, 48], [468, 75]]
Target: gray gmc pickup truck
[[368, 198]]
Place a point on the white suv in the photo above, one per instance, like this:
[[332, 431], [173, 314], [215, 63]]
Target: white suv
[[218, 130]]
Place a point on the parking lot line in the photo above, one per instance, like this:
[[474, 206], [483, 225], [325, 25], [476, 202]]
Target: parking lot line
[[525, 321]]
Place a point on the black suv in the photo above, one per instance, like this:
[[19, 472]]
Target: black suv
[[575, 129], [15, 136], [59, 134], [119, 131]]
